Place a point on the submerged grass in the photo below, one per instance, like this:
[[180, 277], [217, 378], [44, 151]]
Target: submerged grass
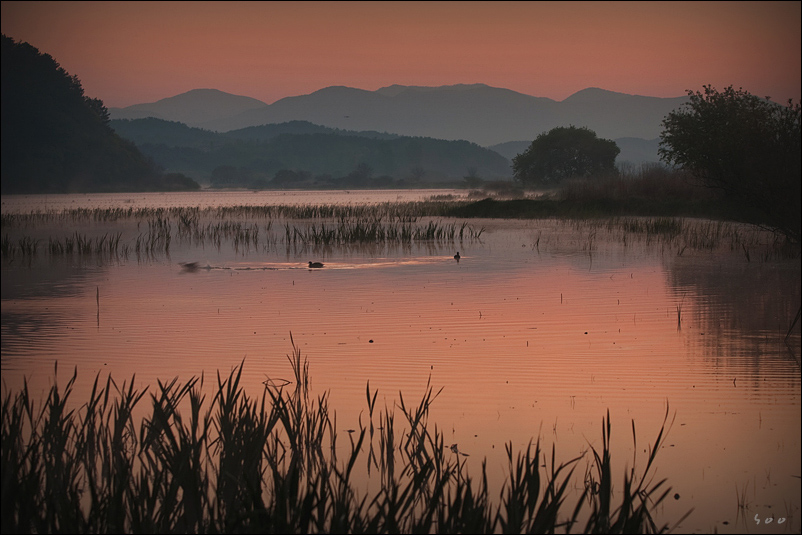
[[275, 465]]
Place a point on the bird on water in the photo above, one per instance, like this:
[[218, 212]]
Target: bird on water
[[315, 264], [457, 256]]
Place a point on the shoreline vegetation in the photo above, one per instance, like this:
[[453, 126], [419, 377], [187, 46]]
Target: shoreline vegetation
[[652, 203], [642, 191], [276, 464], [299, 228], [635, 191]]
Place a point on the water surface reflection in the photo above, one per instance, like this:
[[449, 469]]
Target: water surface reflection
[[538, 330]]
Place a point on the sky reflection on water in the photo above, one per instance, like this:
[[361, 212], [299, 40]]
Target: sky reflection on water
[[537, 331]]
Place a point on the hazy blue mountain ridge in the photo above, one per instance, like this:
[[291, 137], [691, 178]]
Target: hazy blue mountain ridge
[[266, 132], [192, 108], [474, 112]]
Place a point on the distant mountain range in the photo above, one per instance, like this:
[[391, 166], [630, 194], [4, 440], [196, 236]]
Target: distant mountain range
[[478, 113], [194, 108]]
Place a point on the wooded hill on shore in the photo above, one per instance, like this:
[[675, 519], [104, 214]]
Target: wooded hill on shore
[[55, 139]]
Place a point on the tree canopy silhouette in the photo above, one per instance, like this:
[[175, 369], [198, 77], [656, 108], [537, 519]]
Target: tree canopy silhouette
[[748, 147], [565, 152], [55, 139]]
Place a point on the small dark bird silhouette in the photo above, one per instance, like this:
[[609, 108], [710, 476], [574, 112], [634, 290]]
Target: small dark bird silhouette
[[315, 264], [191, 267], [457, 256]]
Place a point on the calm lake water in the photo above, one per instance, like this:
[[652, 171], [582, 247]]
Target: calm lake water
[[537, 331]]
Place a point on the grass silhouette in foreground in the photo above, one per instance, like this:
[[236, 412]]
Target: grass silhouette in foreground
[[271, 465]]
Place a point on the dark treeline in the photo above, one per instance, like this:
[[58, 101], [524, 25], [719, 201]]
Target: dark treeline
[[55, 139], [301, 154]]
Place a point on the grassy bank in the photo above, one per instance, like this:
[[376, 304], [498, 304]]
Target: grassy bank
[[276, 465], [595, 208], [648, 191]]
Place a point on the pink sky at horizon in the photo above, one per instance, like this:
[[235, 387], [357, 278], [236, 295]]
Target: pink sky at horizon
[[134, 52]]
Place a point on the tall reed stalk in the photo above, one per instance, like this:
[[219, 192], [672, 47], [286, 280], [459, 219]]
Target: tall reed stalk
[[273, 464]]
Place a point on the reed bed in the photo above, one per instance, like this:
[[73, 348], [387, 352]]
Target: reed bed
[[254, 228], [156, 236], [649, 182], [83, 245], [157, 233], [679, 235], [374, 230], [25, 247], [189, 216], [156, 240], [275, 464]]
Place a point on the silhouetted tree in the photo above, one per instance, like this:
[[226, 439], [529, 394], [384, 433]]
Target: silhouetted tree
[[748, 147], [565, 152]]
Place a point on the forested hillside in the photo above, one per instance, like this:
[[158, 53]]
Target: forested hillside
[[55, 139], [301, 154]]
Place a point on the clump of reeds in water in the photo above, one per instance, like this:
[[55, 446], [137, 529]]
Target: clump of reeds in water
[[375, 230], [384, 223], [79, 244], [273, 465], [24, 247]]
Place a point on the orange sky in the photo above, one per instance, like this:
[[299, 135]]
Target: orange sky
[[132, 52]]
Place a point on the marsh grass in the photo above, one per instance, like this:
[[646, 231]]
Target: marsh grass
[[743, 503], [190, 217], [650, 183], [80, 244], [374, 230], [276, 464], [678, 235], [388, 224], [24, 247], [649, 203]]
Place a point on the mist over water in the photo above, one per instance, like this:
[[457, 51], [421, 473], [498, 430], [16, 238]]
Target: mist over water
[[538, 330]]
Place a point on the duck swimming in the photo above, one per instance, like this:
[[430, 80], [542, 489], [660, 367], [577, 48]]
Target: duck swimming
[[192, 267], [315, 265], [457, 256]]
